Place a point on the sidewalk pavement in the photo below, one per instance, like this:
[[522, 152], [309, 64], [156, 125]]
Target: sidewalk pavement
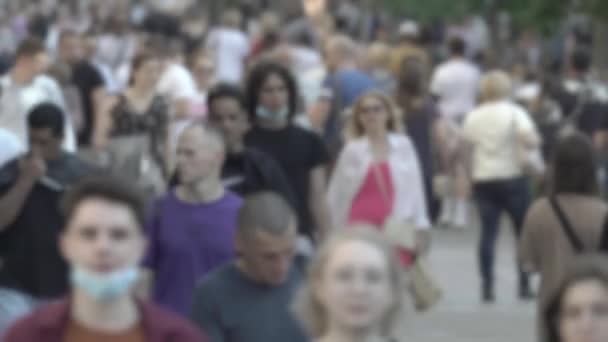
[[461, 317]]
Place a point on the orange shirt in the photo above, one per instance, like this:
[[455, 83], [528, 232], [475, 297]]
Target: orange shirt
[[77, 333]]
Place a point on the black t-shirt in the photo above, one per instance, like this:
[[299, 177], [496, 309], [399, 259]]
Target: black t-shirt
[[28, 247], [298, 152], [252, 171], [87, 79], [233, 173], [594, 113]]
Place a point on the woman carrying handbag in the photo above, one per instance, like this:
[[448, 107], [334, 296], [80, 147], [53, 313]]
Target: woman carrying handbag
[[377, 180]]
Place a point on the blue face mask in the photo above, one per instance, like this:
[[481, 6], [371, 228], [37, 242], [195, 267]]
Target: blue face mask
[[265, 113], [103, 287]]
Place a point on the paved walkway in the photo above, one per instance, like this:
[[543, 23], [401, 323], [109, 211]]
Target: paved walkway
[[461, 317]]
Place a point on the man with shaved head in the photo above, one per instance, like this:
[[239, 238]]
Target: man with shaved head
[[192, 228]]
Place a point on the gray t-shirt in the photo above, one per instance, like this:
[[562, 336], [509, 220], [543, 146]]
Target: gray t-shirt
[[230, 307]]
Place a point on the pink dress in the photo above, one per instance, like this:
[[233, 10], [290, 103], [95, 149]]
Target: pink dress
[[370, 205]]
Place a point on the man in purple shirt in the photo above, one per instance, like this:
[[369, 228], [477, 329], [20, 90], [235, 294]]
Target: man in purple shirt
[[192, 228]]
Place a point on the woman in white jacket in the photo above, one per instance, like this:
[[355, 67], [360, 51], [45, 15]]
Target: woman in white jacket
[[378, 176]]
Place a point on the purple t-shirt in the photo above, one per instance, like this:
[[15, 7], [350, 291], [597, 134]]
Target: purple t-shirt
[[187, 241]]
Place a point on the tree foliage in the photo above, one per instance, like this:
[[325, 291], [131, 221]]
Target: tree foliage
[[544, 15]]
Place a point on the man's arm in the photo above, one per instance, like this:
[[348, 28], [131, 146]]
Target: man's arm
[[317, 202], [11, 204]]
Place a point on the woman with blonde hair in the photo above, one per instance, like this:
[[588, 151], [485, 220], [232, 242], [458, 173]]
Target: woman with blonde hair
[[377, 176], [498, 130], [354, 289]]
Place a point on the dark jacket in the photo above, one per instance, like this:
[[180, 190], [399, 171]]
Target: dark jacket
[[48, 324]]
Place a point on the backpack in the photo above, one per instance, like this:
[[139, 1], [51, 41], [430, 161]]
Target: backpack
[[576, 243]]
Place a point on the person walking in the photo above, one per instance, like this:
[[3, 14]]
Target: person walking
[[272, 99], [378, 176], [423, 124], [340, 279], [31, 185], [191, 229], [454, 84], [264, 278], [497, 131], [575, 205], [103, 241], [133, 130]]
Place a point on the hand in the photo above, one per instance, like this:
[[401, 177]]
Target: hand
[[32, 168]]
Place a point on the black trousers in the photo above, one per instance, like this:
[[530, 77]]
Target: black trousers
[[493, 198]]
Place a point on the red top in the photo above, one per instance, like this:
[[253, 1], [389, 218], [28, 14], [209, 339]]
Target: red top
[[50, 323], [370, 205]]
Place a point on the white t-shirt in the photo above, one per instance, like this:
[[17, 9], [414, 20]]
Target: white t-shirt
[[177, 83], [494, 129], [304, 59], [10, 147], [456, 83], [231, 47], [17, 101]]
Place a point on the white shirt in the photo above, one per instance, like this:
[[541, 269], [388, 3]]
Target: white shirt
[[231, 47], [304, 59], [10, 147], [352, 168], [493, 129], [177, 83], [456, 83], [16, 102]]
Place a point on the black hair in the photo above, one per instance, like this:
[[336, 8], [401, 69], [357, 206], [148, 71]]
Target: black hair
[[47, 116], [457, 46], [580, 60], [226, 90], [259, 75], [108, 188], [574, 166]]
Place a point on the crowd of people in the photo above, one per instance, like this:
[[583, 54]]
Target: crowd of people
[[256, 177]]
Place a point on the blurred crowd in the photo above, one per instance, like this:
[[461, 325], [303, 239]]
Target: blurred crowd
[[209, 158]]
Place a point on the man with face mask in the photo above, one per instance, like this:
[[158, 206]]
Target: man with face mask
[[103, 243], [246, 170], [263, 279], [30, 187], [191, 229]]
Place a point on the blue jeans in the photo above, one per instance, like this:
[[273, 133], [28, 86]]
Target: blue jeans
[[493, 198]]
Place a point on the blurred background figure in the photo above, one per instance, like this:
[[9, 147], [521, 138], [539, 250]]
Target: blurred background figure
[[454, 84], [230, 47], [424, 126], [498, 130], [132, 131]]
